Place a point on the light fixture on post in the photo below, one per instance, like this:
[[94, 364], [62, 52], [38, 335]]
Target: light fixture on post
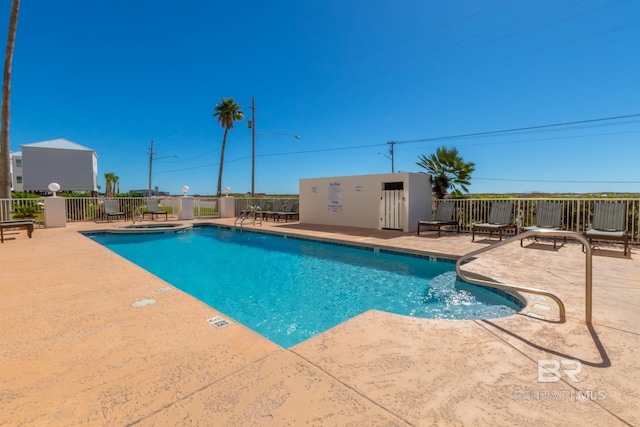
[[185, 190], [252, 126], [54, 187], [391, 144], [227, 190]]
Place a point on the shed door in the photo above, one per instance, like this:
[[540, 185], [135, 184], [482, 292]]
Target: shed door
[[392, 209]]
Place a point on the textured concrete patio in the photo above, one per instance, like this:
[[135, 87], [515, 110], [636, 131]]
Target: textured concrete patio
[[76, 352]]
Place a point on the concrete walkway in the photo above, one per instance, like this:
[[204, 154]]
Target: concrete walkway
[[76, 350]]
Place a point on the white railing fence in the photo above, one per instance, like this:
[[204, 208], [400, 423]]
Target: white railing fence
[[92, 208], [265, 203], [206, 207], [21, 208], [576, 214]]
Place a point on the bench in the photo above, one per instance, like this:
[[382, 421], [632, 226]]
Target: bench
[[10, 225]]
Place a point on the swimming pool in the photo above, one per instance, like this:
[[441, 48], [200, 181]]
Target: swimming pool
[[290, 289]]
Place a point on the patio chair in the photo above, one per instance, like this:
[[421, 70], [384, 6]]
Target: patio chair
[[289, 211], [499, 220], [548, 217], [112, 209], [609, 223], [153, 210], [256, 209], [271, 209], [444, 217]]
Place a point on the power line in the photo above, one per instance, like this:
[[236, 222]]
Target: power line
[[496, 132], [180, 140], [433, 139], [558, 181]]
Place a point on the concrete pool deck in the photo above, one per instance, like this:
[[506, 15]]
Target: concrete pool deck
[[75, 351]]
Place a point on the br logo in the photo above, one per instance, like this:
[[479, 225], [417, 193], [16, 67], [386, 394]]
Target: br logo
[[552, 370]]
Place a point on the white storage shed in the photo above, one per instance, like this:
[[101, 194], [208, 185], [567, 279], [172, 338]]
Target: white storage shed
[[395, 201]]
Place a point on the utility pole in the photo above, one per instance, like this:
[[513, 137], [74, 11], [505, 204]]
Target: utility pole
[[252, 125], [151, 154], [151, 159], [391, 144]]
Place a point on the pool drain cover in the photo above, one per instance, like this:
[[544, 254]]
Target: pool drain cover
[[143, 302], [218, 321]]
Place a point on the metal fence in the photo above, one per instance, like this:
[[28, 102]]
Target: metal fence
[[576, 212], [264, 203], [92, 208], [21, 208]]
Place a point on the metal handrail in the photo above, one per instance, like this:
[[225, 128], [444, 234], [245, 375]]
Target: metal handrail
[[257, 210], [246, 214], [241, 218], [137, 209], [537, 233]]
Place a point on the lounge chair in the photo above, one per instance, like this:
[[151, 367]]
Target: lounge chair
[[153, 210], [271, 209], [12, 225], [609, 223], [256, 209], [289, 211], [444, 217], [548, 217], [112, 209], [499, 220]]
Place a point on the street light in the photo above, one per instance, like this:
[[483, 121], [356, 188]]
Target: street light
[[391, 144], [151, 159], [252, 126], [382, 154]]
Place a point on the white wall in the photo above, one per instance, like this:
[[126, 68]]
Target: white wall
[[16, 172], [74, 170], [354, 201]]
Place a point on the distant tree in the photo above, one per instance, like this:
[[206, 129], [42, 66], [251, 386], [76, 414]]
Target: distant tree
[[110, 179], [5, 160], [227, 112], [448, 171]]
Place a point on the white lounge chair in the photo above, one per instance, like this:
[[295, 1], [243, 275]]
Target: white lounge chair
[[444, 217], [499, 220], [609, 223], [548, 217]]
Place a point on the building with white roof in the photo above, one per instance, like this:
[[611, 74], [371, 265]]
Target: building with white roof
[[15, 169], [71, 165]]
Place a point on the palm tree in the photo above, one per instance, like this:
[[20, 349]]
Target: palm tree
[[227, 112], [110, 178], [448, 171], [5, 160]]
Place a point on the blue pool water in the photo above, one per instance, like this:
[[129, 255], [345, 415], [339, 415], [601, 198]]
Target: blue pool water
[[290, 289]]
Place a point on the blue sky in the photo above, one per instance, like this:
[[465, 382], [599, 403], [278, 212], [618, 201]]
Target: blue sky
[[347, 76]]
